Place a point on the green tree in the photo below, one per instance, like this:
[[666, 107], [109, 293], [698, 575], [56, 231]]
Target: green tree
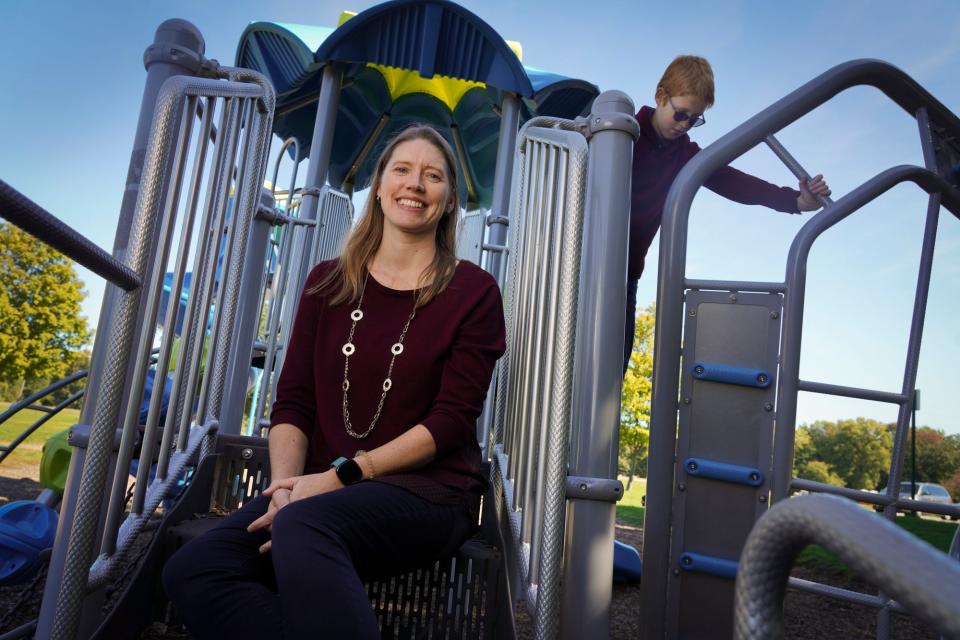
[[40, 321], [635, 399], [857, 451], [938, 456]]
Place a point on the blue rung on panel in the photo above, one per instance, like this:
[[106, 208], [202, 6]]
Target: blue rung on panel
[[724, 471], [713, 566], [744, 376]]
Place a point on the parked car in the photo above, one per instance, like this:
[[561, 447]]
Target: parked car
[[926, 491]]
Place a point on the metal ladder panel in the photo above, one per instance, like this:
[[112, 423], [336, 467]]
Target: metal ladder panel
[[724, 450]]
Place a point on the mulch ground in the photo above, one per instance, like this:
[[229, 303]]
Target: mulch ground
[[806, 616]]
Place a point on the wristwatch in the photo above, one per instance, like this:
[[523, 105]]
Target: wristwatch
[[347, 470]]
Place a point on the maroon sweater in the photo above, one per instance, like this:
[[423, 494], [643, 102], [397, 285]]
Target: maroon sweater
[[656, 162], [440, 380]]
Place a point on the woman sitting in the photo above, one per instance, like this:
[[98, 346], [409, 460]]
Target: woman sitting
[[373, 450]]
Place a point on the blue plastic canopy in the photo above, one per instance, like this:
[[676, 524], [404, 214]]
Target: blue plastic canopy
[[406, 61]]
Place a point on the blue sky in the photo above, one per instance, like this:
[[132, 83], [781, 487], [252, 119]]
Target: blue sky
[[73, 76]]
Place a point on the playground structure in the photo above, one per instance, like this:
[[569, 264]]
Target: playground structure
[[551, 163]]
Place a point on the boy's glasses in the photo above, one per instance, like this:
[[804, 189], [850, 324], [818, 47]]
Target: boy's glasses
[[683, 116]]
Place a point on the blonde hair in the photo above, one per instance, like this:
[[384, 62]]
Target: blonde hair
[[689, 76], [347, 277]]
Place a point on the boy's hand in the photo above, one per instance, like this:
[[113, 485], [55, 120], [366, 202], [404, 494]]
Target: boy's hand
[[810, 190]]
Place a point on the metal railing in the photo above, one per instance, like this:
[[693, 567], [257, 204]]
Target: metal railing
[[940, 132], [539, 407], [244, 102]]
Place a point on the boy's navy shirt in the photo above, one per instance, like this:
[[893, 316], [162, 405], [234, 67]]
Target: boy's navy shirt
[[656, 162]]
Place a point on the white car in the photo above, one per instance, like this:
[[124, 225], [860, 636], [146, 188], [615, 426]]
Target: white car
[[926, 491]]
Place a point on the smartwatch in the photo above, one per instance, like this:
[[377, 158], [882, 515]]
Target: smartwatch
[[347, 470]]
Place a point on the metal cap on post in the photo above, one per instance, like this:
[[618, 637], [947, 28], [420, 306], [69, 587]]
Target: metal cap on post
[[179, 48], [588, 574]]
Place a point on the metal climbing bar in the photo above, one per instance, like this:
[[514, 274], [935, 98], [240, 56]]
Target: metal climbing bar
[[664, 604]]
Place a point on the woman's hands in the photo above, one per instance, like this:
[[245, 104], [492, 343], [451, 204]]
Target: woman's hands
[[283, 492]]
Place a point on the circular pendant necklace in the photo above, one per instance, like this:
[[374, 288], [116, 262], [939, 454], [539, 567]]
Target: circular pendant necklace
[[349, 349]]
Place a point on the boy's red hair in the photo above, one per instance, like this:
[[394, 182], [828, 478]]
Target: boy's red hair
[[689, 76]]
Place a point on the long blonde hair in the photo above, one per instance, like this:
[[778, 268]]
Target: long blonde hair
[[347, 277]]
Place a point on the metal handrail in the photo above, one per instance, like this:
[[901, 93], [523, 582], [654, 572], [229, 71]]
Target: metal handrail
[[43, 225], [925, 581]]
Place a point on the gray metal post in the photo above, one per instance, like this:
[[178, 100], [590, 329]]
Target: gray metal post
[[248, 306], [177, 49], [500, 204], [588, 573], [320, 149]]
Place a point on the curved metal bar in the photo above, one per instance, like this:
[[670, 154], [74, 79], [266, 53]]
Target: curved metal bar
[[42, 420], [29, 400], [921, 578]]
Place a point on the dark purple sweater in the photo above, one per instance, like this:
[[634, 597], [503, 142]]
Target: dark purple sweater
[[440, 379], [656, 162]]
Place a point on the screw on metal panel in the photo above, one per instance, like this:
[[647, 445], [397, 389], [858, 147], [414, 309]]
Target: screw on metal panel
[[698, 369], [247, 453], [754, 476], [686, 561], [676, 572], [768, 406], [774, 314], [692, 312], [682, 486], [763, 498], [583, 486], [762, 378], [733, 297], [692, 465], [686, 401]]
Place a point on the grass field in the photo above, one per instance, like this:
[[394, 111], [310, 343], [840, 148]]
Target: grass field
[[28, 453], [630, 508]]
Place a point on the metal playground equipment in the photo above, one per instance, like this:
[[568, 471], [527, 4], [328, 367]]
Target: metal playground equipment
[[546, 161]]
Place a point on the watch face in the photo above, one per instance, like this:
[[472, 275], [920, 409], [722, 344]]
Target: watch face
[[349, 472]]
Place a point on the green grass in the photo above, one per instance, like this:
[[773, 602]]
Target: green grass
[[29, 452], [630, 508], [935, 532]]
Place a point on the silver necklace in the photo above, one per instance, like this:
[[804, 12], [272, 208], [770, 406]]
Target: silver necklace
[[349, 349]]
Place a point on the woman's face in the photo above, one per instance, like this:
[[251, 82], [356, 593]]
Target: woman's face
[[414, 188]]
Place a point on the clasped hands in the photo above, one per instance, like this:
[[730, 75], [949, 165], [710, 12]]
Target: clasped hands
[[283, 492]]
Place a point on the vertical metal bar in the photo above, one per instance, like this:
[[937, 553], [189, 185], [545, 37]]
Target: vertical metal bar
[[320, 149], [555, 171], [228, 240], [141, 352], [190, 215], [537, 396], [908, 385], [588, 575], [500, 202], [205, 267], [227, 390]]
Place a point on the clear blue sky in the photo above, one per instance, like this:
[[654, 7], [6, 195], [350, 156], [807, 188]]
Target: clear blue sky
[[73, 75]]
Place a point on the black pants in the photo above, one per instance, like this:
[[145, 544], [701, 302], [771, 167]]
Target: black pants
[[630, 322], [311, 583]]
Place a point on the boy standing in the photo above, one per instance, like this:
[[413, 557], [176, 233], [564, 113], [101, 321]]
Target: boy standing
[[683, 94]]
